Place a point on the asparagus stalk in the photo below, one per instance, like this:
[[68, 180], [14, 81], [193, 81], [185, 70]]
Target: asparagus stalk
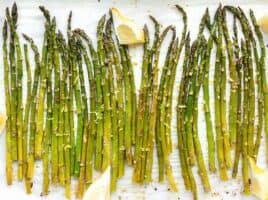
[[56, 107], [27, 109], [251, 119], [13, 81], [113, 100], [198, 151], [192, 89], [141, 135], [163, 106], [217, 104], [81, 181], [128, 106], [233, 81], [100, 105], [106, 96], [209, 129], [260, 101], [67, 143], [92, 123], [120, 103], [20, 106], [148, 96], [93, 117], [247, 34], [42, 92], [173, 75], [71, 98], [61, 125], [133, 95], [97, 109], [224, 129], [183, 98], [79, 107], [152, 122], [245, 120], [148, 111], [239, 101], [262, 96], [30, 161], [180, 116], [9, 169], [49, 115]]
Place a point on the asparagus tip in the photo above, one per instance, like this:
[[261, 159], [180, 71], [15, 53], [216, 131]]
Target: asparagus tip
[[5, 30]]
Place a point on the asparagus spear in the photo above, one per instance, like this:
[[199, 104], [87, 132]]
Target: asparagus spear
[[260, 101], [113, 100], [183, 98], [163, 106], [120, 103], [27, 110], [30, 161], [148, 112], [141, 110], [9, 169], [67, 143], [152, 122], [251, 119], [92, 122], [239, 101], [16, 90], [173, 75], [19, 106], [224, 130], [81, 181], [209, 129], [79, 106], [128, 106], [198, 151], [48, 125], [13, 81], [99, 106], [133, 95], [148, 96], [180, 116], [106, 96], [192, 88], [71, 98], [61, 125], [217, 97], [247, 32], [160, 107], [262, 73], [93, 99], [245, 120], [42, 93], [97, 109], [233, 81], [56, 107]]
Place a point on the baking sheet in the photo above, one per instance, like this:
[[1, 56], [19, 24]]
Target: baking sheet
[[85, 15]]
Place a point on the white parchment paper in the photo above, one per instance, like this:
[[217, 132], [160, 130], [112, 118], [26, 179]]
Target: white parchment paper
[[85, 15]]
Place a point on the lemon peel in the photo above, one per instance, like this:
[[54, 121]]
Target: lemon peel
[[3, 119], [263, 23], [99, 189], [127, 30], [259, 177]]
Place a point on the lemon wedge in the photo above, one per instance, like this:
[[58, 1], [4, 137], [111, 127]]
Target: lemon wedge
[[100, 189], [263, 23], [3, 119], [259, 177], [127, 31]]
